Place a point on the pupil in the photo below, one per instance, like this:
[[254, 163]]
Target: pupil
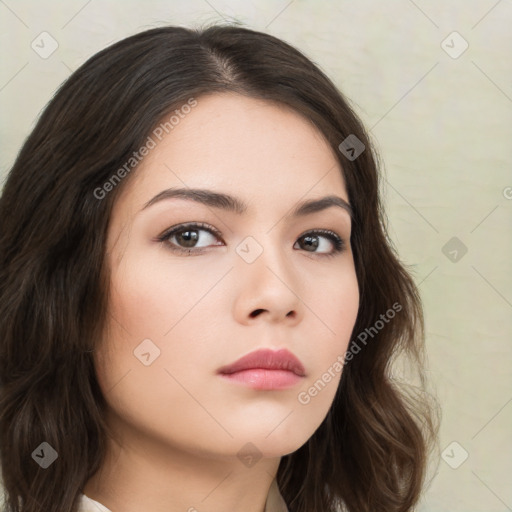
[[311, 241], [190, 238]]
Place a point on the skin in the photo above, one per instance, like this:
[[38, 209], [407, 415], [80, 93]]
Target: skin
[[177, 424]]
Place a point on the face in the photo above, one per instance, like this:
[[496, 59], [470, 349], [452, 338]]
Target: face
[[196, 285]]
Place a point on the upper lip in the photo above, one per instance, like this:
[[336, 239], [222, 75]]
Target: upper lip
[[266, 359]]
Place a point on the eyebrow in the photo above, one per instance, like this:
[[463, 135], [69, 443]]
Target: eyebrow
[[233, 204]]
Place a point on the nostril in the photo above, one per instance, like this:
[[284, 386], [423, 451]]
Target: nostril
[[256, 312]]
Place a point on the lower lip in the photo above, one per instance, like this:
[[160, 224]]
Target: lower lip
[[259, 378]]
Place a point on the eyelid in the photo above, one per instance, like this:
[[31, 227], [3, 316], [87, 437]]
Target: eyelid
[[183, 226]]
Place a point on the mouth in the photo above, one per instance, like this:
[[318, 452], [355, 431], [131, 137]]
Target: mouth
[[264, 380], [265, 370]]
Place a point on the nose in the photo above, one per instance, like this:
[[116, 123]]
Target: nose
[[267, 290]]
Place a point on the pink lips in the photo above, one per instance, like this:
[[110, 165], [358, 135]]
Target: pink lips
[[265, 370]]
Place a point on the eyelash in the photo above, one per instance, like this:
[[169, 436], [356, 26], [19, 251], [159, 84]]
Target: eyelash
[[337, 241]]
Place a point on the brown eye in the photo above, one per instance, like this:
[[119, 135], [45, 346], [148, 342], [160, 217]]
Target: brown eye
[[323, 242], [192, 237], [187, 238]]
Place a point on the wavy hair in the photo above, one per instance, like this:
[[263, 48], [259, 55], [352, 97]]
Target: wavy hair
[[371, 452]]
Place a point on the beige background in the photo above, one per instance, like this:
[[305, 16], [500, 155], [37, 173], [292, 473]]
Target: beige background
[[443, 125]]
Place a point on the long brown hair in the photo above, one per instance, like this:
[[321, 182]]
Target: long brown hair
[[371, 451]]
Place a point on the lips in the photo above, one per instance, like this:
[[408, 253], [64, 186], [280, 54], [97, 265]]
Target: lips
[[266, 359], [265, 370]]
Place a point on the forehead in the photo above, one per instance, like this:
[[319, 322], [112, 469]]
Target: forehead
[[254, 149]]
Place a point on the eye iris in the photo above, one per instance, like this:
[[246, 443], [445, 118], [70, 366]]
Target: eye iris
[[311, 242], [189, 239]]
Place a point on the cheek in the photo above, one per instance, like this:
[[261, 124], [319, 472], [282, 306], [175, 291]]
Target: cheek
[[151, 292], [336, 307], [336, 310], [158, 344], [345, 317], [160, 311], [163, 310]]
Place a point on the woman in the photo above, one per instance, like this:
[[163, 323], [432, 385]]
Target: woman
[[199, 302]]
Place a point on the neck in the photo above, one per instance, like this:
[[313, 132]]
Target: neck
[[144, 475]]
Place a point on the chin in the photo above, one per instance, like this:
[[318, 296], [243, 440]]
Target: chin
[[277, 444]]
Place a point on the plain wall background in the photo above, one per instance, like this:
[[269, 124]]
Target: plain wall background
[[443, 125]]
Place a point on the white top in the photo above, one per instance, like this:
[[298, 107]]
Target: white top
[[87, 504], [274, 503]]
